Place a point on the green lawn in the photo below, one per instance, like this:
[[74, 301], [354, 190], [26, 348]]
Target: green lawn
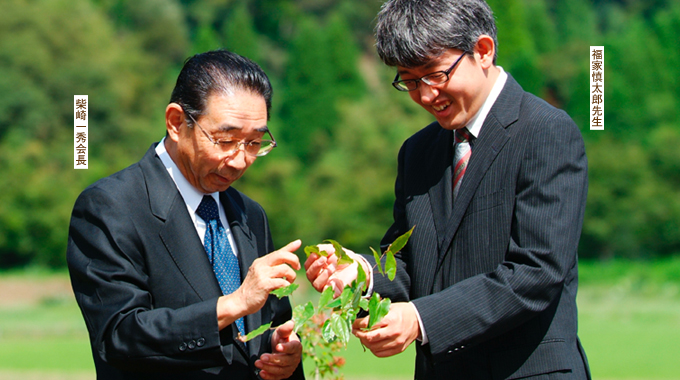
[[629, 321]]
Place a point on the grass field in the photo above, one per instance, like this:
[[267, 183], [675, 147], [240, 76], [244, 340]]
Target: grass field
[[629, 321]]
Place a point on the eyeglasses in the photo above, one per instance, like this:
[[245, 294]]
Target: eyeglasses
[[432, 79], [257, 148]]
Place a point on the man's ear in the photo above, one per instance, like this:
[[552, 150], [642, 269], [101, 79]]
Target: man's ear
[[174, 119], [485, 49]]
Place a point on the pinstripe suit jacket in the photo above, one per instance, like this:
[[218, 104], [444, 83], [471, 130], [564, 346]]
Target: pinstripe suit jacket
[[146, 288], [494, 274]]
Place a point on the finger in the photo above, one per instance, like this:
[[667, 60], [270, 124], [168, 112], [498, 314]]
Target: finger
[[328, 248], [338, 285], [384, 353], [274, 366], [276, 373], [321, 280], [285, 272], [284, 331], [292, 246], [360, 323], [292, 347], [373, 337], [313, 261], [283, 257]]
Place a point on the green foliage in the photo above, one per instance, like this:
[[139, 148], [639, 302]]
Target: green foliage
[[326, 328], [239, 33], [46, 58], [338, 122]]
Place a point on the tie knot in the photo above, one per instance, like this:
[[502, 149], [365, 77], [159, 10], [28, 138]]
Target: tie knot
[[462, 135], [207, 210]]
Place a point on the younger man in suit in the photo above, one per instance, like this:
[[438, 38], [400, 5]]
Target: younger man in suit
[[496, 189], [168, 262]]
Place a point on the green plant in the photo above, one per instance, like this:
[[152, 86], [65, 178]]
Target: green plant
[[326, 328]]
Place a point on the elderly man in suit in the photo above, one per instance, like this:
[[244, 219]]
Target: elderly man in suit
[[496, 189], [168, 262]]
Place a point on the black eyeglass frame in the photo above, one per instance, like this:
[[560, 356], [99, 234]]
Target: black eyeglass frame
[[447, 73], [262, 152]]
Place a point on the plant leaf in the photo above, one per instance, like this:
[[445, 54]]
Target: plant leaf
[[378, 309], [326, 297], [338, 248], [340, 328], [302, 314], [373, 304], [312, 249], [376, 255], [284, 291], [401, 241], [346, 297], [257, 332], [335, 303], [383, 309], [327, 331], [356, 296], [363, 304], [361, 277], [343, 258], [390, 265]]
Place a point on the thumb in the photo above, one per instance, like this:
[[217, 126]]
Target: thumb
[[285, 330]]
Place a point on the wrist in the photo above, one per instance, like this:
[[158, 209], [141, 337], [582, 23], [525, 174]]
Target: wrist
[[229, 309]]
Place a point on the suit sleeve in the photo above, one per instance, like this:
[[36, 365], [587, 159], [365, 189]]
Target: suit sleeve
[[112, 288], [545, 228]]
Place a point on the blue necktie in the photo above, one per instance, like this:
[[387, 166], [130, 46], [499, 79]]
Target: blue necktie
[[221, 256]]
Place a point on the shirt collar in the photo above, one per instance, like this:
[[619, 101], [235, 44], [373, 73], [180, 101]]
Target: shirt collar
[[192, 197], [475, 124]]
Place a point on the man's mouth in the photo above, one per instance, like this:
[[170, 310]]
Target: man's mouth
[[441, 107]]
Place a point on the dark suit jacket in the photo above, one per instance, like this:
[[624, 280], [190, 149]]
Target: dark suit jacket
[[494, 275], [146, 288]]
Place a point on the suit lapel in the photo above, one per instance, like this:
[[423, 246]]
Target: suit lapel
[[183, 246], [492, 138], [247, 253], [441, 166]]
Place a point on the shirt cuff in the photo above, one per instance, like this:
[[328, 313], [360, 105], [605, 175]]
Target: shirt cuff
[[423, 335]]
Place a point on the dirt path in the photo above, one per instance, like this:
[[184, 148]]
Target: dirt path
[[29, 290]]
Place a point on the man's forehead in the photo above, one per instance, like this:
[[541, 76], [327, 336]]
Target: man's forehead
[[246, 103], [430, 63]]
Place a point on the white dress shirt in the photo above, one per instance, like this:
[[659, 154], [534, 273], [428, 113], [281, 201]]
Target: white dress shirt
[[192, 197]]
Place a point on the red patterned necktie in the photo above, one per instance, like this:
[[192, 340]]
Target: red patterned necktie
[[461, 158]]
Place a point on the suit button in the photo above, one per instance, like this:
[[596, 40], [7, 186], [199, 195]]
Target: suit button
[[200, 342], [183, 347], [192, 345]]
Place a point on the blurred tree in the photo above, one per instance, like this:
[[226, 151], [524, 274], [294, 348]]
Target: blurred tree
[[148, 20], [516, 48], [46, 59], [239, 33], [205, 39], [320, 70], [631, 212]]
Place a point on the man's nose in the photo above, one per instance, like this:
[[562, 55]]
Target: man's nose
[[427, 93], [238, 159]]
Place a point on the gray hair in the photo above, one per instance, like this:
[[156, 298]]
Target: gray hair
[[409, 33]]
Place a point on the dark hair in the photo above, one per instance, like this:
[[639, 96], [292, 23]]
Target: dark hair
[[410, 33], [217, 71]]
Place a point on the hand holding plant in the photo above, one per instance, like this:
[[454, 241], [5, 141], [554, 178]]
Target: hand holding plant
[[326, 327]]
